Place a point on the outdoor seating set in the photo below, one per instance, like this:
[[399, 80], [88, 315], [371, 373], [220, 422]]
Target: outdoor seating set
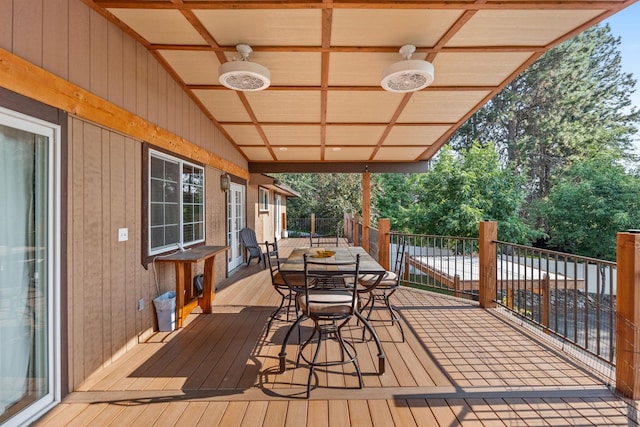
[[330, 286]]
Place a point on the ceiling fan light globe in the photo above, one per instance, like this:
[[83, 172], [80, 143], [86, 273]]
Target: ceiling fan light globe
[[409, 75], [244, 76]]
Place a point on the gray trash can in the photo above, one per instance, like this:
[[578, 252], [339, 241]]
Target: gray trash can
[[165, 305]]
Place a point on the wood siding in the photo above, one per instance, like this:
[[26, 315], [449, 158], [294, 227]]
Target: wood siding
[[105, 277]]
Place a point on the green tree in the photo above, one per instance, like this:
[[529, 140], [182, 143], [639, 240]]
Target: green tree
[[327, 195], [391, 198], [571, 104], [589, 204], [463, 189]]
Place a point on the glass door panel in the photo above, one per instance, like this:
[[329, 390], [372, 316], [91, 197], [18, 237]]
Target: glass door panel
[[236, 222], [27, 359]]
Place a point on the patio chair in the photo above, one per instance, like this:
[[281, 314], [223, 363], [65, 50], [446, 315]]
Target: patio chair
[[330, 309], [316, 240], [250, 242], [284, 287], [389, 283]]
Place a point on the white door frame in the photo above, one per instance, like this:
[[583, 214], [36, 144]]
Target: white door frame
[[236, 220], [278, 216], [51, 393]]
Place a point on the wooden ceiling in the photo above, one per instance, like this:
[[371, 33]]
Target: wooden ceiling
[[325, 106]]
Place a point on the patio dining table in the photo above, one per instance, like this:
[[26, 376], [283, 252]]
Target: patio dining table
[[294, 266]]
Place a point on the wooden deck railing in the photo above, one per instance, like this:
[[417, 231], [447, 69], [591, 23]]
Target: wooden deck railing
[[593, 305]]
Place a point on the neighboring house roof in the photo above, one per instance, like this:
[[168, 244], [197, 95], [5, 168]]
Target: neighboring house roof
[[272, 184]]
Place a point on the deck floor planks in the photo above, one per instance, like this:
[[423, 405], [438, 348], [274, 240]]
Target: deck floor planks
[[276, 415], [380, 413], [128, 416], [234, 414], [421, 412], [401, 413], [452, 347], [210, 353], [62, 414], [318, 414], [192, 413], [255, 414], [88, 416], [359, 413], [338, 413], [171, 414], [189, 352], [212, 414], [297, 413], [236, 343]]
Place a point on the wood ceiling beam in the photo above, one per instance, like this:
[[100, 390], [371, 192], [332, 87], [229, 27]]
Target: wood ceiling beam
[[351, 49], [316, 4], [352, 88]]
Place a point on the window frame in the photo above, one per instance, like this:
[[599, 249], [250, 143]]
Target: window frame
[[263, 199], [181, 162]]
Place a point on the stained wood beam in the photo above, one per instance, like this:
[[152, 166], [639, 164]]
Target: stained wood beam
[[24, 78]]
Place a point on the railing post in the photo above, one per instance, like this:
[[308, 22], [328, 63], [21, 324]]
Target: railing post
[[384, 242], [313, 224], [628, 315], [366, 208], [546, 302], [356, 230], [345, 226], [488, 273], [456, 286]]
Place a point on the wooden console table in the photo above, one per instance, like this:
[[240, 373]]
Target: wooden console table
[[185, 302]]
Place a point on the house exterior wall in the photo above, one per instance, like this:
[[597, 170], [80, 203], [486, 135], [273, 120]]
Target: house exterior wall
[[104, 170], [265, 220]]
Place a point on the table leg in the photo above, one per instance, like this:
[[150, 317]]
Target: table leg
[[208, 288], [180, 278]]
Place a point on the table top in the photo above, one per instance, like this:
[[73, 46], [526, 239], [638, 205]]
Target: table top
[[195, 254], [295, 262]]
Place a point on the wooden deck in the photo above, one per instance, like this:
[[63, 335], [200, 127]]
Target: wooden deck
[[460, 365]]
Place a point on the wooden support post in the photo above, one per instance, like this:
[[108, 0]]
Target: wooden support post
[[456, 286], [356, 230], [628, 315], [405, 271], [510, 298], [545, 299], [488, 272], [313, 224], [366, 209], [384, 242], [345, 226]]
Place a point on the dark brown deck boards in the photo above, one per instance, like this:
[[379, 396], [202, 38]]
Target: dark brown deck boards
[[460, 365]]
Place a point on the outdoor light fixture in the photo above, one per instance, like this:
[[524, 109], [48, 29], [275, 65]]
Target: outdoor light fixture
[[243, 75], [225, 182], [408, 75]]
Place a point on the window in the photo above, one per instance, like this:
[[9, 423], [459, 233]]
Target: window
[[176, 202], [263, 199]]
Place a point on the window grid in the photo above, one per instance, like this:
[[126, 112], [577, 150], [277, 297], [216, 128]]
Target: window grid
[[176, 214]]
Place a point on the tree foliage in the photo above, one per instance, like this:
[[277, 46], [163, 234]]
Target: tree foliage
[[589, 204], [571, 104], [460, 191], [325, 195]]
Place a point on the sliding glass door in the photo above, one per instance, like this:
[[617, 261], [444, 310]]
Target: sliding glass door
[[29, 282]]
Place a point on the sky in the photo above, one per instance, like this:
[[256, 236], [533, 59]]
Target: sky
[[626, 25]]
